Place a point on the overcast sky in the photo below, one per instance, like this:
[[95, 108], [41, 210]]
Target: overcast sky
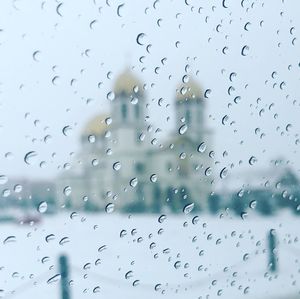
[[45, 44]]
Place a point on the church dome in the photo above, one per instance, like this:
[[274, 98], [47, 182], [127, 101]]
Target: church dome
[[96, 126], [189, 90], [128, 83]]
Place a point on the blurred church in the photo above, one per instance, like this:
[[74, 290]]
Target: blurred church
[[122, 165]]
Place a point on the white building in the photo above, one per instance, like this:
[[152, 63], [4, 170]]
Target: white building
[[121, 163]]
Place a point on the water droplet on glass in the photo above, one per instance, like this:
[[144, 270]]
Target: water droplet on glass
[[96, 289], [3, 179], [117, 166], [177, 265], [30, 158], [223, 173], [67, 130], [201, 147], [162, 218], [36, 56], [252, 160], [252, 204], [110, 96], [49, 238], [129, 275], [188, 208], [43, 206], [153, 178], [245, 50], [58, 9], [9, 239], [133, 182], [136, 283], [18, 188], [110, 208], [141, 39], [182, 129], [120, 10], [67, 190], [54, 278], [64, 240], [244, 215]]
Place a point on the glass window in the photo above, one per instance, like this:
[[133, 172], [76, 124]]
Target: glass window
[[124, 111], [150, 149]]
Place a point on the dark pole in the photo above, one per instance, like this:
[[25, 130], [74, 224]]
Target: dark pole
[[64, 281], [273, 259]]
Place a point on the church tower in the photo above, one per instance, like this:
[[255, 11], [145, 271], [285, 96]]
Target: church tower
[[190, 110]]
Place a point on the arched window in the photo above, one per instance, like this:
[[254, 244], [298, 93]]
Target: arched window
[[188, 117], [124, 111], [137, 111]]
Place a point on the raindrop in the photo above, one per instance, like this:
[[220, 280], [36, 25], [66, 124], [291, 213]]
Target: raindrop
[[110, 96], [157, 287], [195, 220], [9, 239], [42, 207], [162, 218], [129, 275], [224, 3], [201, 147], [55, 80], [207, 93], [45, 259], [244, 215], [110, 208], [141, 39], [18, 188], [58, 9], [30, 157], [252, 204], [3, 179], [188, 208], [252, 160], [64, 240], [245, 50], [133, 182], [246, 257], [182, 129], [102, 248], [67, 130], [134, 101], [225, 119], [223, 173], [177, 265], [67, 190], [5, 192], [49, 238], [136, 283], [54, 278], [123, 233], [120, 9], [247, 26], [36, 56], [93, 23], [208, 171], [96, 289], [153, 178], [117, 166]]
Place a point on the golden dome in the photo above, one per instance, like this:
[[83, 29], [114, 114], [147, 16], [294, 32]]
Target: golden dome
[[189, 90], [96, 126], [128, 83]]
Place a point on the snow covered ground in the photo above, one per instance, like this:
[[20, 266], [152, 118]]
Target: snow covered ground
[[142, 256]]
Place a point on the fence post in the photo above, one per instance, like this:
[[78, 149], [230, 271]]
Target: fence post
[[273, 258], [64, 272]]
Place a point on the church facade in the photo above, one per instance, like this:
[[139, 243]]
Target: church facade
[[122, 165]]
